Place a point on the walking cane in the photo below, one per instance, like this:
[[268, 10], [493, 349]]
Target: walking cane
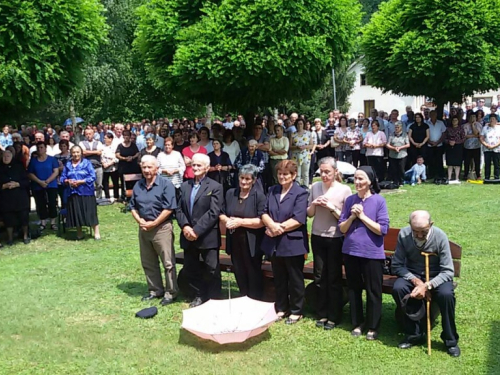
[[428, 304]]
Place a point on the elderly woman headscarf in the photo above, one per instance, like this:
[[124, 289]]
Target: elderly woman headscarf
[[241, 214], [14, 196], [364, 221]]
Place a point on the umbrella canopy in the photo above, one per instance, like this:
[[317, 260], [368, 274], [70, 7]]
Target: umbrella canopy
[[78, 120], [229, 321]]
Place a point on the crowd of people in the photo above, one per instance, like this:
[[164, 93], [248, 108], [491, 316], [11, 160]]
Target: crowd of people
[[257, 182]]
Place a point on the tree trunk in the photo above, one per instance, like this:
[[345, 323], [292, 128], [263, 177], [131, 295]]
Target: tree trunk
[[209, 112], [72, 116]]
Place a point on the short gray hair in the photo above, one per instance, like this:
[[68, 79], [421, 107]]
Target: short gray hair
[[328, 160], [202, 158], [149, 158], [249, 169], [253, 142]]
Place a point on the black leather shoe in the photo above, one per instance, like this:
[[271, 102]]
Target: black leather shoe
[[166, 301], [454, 351], [149, 297], [405, 345], [196, 302], [329, 326], [411, 341]]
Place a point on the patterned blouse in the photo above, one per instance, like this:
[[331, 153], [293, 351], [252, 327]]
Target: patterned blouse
[[354, 135], [456, 134], [304, 139], [341, 135], [472, 143]]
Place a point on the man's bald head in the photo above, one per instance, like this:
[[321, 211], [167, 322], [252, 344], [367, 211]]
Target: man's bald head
[[420, 219]]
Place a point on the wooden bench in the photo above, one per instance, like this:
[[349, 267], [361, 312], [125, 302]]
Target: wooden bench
[[390, 241]]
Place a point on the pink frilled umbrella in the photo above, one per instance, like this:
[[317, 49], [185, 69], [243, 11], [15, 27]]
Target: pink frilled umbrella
[[229, 321]]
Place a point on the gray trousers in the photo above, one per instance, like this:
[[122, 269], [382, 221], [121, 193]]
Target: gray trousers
[[158, 245], [98, 182]]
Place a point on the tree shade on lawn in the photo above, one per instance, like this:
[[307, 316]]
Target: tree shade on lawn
[[440, 49]]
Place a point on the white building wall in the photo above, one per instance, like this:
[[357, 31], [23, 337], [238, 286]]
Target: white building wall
[[386, 102]]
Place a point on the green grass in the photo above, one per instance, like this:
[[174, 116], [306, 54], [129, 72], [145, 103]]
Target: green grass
[[68, 307]]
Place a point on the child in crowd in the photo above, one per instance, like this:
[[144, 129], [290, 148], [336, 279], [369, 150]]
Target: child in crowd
[[416, 174]]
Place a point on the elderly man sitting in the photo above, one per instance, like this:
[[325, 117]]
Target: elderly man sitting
[[153, 201], [409, 265]]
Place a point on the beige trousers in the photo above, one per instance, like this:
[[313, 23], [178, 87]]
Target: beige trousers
[[158, 244]]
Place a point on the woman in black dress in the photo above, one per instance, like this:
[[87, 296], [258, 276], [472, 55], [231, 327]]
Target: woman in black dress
[[128, 154], [418, 135], [14, 196], [220, 165], [241, 214]]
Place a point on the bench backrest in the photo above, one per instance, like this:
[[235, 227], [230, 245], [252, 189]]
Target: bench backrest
[[390, 242]]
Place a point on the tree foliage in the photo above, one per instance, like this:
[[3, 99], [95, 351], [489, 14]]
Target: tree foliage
[[440, 49], [44, 45], [321, 101], [245, 53]]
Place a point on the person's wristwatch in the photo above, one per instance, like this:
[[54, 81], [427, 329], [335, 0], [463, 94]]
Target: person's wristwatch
[[428, 285]]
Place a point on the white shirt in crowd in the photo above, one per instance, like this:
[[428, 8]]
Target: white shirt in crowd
[[436, 131], [377, 140], [116, 142], [232, 150], [228, 125], [174, 160]]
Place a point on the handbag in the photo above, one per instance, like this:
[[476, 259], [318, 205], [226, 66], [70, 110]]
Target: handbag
[[333, 143]]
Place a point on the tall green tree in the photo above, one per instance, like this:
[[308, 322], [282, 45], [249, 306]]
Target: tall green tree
[[245, 53], [440, 49], [44, 45], [321, 101]]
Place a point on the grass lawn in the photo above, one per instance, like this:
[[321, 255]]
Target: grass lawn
[[68, 307]]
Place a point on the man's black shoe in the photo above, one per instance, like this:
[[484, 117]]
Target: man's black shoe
[[149, 297], [166, 301], [454, 351], [411, 341], [196, 302]]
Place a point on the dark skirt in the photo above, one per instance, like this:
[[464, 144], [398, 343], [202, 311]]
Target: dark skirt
[[13, 219], [82, 211], [454, 155]]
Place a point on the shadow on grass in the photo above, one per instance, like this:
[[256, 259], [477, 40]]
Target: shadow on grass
[[494, 349], [133, 289], [187, 338]]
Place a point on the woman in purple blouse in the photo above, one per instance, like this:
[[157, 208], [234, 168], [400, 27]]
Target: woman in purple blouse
[[364, 221]]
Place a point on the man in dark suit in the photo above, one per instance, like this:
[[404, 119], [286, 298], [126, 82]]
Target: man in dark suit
[[198, 216]]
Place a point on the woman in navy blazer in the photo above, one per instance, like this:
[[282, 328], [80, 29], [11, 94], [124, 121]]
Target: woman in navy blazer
[[286, 241]]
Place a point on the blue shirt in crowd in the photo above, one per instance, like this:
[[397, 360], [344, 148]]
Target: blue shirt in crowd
[[6, 141], [150, 203], [82, 171], [43, 170]]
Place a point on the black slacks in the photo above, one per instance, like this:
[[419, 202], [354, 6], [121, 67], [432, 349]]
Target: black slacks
[[472, 154], [327, 254], [247, 270], [105, 184], [289, 283], [444, 295], [435, 162], [203, 276], [368, 274], [491, 157], [397, 170], [46, 203], [377, 163]]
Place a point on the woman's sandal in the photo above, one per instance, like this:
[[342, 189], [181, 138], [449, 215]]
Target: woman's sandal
[[53, 227], [372, 335], [291, 320], [42, 227], [280, 315]]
